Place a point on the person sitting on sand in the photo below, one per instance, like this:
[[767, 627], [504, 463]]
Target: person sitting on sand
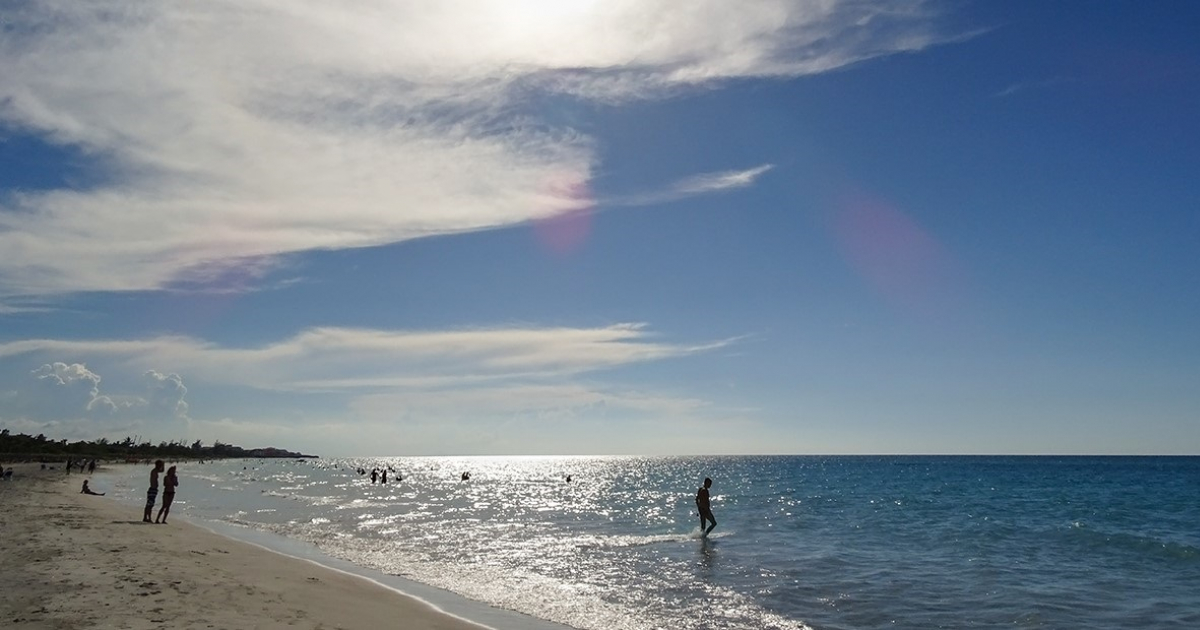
[[87, 490], [152, 493], [170, 482]]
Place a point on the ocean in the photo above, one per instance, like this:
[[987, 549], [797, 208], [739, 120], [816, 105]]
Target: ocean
[[827, 543]]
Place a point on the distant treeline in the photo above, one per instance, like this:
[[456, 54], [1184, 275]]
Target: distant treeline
[[39, 447]]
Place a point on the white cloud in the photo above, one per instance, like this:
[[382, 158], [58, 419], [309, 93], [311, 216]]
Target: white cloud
[[232, 132], [524, 399], [68, 396], [14, 309], [333, 359], [1024, 86], [61, 390], [165, 395], [721, 181], [696, 185], [455, 388]]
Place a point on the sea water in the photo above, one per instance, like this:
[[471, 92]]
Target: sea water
[[802, 542]]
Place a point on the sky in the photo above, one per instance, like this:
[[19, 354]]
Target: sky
[[630, 227]]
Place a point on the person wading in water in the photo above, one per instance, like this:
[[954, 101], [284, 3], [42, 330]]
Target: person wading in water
[[705, 509]]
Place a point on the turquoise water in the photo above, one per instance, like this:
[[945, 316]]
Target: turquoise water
[[802, 542]]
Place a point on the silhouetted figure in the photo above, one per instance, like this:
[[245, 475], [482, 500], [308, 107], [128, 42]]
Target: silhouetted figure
[[152, 493], [568, 478], [466, 476], [374, 475], [383, 476], [705, 509], [87, 490], [170, 482], [91, 466]]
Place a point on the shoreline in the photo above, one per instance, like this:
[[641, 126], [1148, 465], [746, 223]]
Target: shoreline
[[75, 560]]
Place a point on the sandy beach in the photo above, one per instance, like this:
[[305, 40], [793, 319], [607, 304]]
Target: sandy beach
[[76, 561]]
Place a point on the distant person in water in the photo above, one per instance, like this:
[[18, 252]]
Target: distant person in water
[[374, 475], [87, 490], [705, 508], [152, 493], [170, 482]]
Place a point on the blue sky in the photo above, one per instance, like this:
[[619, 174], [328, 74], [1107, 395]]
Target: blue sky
[[578, 227]]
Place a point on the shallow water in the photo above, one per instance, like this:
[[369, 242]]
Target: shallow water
[[820, 542]]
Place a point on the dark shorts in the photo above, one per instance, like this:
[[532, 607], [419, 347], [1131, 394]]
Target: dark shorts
[[707, 515], [151, 495]]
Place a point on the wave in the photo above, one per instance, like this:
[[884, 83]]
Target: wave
[[304, 498], [1141, 543], [613, 541]]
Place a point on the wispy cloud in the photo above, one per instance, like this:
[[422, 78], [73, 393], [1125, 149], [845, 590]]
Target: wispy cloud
[[710, 182], [696, 185], [446, 381], [14, 309], [1033, 85], [325, 359], [233, 132]]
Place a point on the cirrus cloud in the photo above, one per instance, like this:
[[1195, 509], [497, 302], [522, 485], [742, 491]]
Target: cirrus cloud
[[229, 133], [339, 359], [343, 376]]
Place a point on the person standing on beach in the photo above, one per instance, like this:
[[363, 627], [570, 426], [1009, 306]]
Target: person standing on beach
[[152, 493], [170, 482], [705, 508]]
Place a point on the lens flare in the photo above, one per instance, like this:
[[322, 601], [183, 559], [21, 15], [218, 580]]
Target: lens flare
[[894, 254], [566, 230]]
